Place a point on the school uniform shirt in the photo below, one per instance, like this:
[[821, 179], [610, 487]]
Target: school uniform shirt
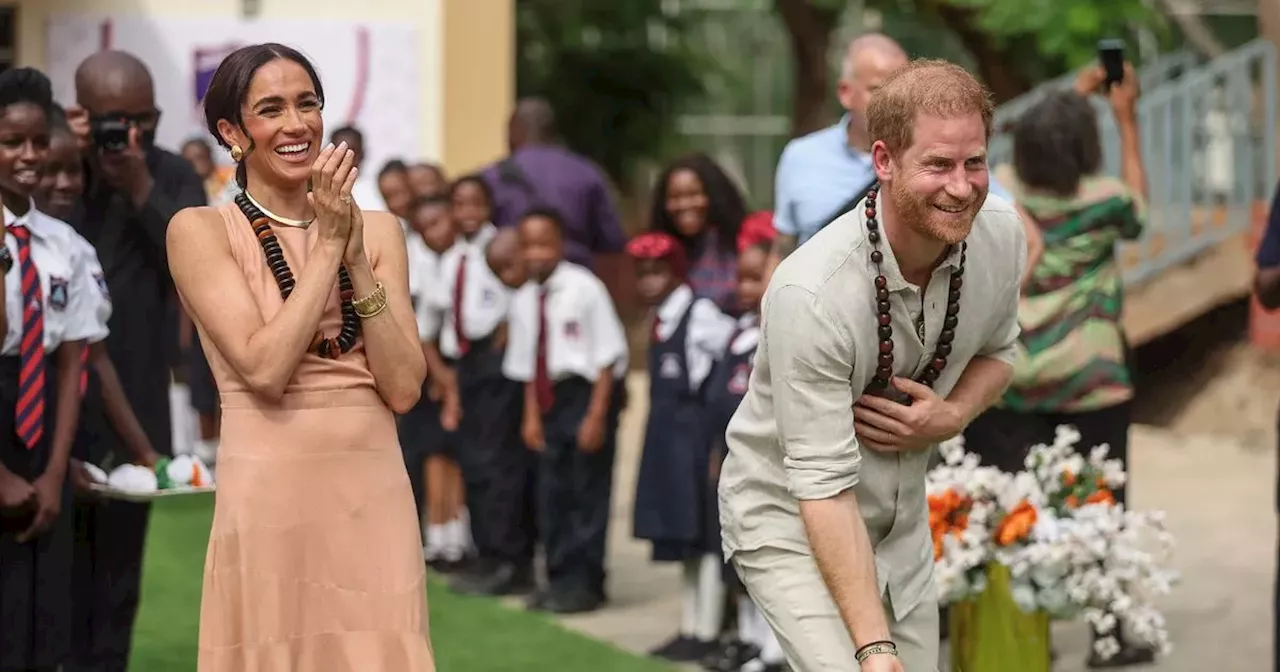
[[424, 275], [484, 298], [97, 298], [70, 297], [583, 332], [709, 330], [747, 334]]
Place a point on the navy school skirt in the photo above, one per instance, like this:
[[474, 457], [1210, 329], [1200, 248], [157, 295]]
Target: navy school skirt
[[35, 585]]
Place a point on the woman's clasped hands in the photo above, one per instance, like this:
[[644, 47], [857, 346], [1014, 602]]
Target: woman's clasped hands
[[338, 217]]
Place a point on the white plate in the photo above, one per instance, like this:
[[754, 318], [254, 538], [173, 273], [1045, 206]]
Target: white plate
[[125, 495]]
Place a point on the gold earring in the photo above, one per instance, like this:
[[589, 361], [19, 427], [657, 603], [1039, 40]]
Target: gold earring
[[236, 153]]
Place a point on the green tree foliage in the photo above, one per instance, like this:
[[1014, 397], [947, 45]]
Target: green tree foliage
[[1063, 29], [1014, 44], [616, 73]]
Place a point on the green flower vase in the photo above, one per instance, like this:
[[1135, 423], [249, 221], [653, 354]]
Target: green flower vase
[[991, 634]]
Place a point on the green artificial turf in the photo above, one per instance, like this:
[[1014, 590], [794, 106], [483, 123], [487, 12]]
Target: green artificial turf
[[468, 634]]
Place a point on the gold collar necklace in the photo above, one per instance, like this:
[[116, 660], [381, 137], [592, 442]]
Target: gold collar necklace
[[296, 223]]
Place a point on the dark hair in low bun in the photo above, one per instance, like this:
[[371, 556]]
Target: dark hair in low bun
[[230, 84]]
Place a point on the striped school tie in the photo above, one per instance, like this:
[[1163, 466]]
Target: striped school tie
[[84, 369], [459, 291], [542, 386], [29, 415]]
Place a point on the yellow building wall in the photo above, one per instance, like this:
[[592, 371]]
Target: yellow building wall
[[467, 53], [479, 78]]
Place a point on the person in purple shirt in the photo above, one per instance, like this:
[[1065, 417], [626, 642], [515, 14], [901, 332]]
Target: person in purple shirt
[[541, 174]]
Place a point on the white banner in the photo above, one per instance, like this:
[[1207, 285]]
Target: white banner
[[370, 71]]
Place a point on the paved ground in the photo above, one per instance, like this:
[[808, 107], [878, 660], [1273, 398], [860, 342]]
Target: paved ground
[[1219, 496]]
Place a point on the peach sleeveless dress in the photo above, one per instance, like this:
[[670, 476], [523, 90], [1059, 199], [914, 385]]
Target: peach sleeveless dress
[[314, 561]]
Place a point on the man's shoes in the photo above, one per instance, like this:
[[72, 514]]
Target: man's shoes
[[573, 602], [503, 578], [730, 657], [564, 602], [682, 649]]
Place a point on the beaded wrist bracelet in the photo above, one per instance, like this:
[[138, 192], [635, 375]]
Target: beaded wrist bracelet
[[876, 648]]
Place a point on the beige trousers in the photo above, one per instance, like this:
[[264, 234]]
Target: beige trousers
[[789, 591]]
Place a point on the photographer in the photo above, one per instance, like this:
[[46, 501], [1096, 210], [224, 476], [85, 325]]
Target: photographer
[[132, 190]]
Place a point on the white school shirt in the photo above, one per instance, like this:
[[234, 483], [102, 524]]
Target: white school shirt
[[584, 333], [70, 298], [424, 275], [94, 281], [484, 298], [748, 334], [708, 334]]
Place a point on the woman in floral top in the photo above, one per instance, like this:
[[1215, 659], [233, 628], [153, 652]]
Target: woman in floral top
[[1073, 370], [696, 202]]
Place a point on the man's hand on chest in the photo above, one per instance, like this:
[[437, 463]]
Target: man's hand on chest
[[885, 425]]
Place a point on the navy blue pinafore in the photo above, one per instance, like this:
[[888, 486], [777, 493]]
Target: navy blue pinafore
[[724, 390], [671, 493]]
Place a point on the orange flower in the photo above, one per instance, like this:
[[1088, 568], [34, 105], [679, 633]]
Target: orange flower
[[948, 514], [1017, 524], [1068, 479], [1102, 496], [195, 475], [1073, 502]]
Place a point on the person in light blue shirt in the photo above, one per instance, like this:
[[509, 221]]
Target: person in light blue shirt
[[821, 173]]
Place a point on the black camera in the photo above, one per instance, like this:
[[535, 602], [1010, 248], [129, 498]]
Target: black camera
[[110, 134]]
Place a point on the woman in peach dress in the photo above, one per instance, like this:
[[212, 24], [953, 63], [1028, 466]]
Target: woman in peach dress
[[302, 305]]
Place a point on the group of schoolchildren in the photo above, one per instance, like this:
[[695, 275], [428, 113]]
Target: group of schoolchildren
[[519, 417]]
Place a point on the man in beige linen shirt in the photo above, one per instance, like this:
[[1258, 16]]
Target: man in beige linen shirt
[[822, 494]]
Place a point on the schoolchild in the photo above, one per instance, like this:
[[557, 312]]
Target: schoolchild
[[689, 334]]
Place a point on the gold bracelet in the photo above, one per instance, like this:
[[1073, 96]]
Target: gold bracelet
[[373, 304]]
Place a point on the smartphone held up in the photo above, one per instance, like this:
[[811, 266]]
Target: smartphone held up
[[1111, 56]]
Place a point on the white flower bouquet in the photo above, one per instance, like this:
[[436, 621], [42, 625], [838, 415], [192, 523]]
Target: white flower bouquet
[[1070, 550]]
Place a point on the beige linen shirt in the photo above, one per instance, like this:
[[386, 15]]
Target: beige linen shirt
[[792, 437]]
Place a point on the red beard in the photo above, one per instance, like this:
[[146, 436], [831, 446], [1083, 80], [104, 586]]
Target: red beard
[[920, 215]]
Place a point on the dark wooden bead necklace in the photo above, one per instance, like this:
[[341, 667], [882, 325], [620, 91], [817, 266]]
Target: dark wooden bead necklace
[[330, 348], [879, 385]]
